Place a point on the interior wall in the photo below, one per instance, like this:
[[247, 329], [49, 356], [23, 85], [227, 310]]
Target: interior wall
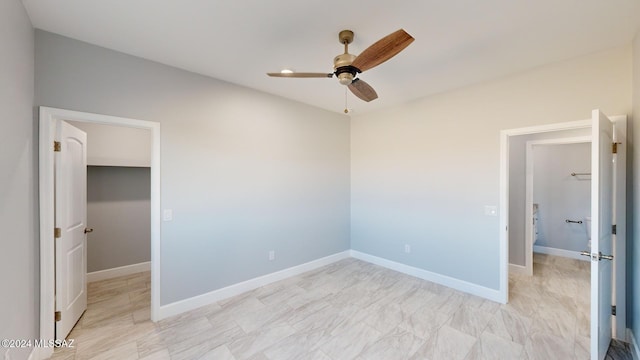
[[19, 244], [561, 196], [119, 212], [423, 172], [243, 171], [517, 187], [633, 243], [109, 145]]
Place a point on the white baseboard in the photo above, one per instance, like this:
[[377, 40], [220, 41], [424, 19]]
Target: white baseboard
[[464, 286], [518, 269], [119, 271], [635, 349], [559, 252], [195, 302]]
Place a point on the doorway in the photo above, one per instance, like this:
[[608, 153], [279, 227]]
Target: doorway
[[557, 198], [50, 118], [509, 205]]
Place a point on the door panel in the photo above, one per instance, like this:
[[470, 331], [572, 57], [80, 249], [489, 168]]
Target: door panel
[[601, 237], [71, 218]]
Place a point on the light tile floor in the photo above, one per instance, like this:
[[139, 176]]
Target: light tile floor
[[347, 310]]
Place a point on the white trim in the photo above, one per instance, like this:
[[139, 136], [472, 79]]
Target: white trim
[[560, 141], [620, 239], [635, 349], [559, 252], [464, 286], [528, 208], [48, 118], [504, 216], [195, 302], [119, 271], [570, 125], [518, 269]]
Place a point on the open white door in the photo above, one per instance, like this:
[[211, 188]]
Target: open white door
[[601, 233], [71, 220]]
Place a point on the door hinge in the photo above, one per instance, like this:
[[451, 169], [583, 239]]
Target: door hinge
[[58, 316], [614, 229], [57, 233], [57, 147], [614, 147], [613, 310]]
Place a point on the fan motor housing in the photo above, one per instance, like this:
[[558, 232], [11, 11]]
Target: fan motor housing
[[343, 60]]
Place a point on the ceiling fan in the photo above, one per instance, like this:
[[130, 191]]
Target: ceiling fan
[[346, 66]]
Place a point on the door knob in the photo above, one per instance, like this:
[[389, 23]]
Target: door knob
[[88, 230], [598, 257], [606, 257]]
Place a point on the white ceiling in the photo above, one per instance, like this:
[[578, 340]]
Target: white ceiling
[[458, 42]]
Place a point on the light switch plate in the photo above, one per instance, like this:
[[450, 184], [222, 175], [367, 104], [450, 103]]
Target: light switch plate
[[491, 210], [167, 215]]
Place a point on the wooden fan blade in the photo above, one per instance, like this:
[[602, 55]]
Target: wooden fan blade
[[301, 75], [383, 50], [362, 90]]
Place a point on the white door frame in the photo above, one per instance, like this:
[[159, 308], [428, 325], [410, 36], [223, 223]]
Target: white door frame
[[529, 173], [48, 118], [620, 239], [620, 122]]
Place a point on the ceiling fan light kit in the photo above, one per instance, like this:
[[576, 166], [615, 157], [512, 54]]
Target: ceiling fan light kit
[[345, 78], [347, 66]]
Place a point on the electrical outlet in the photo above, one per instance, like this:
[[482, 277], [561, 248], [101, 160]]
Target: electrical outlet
[[407, 248], [272, 255]]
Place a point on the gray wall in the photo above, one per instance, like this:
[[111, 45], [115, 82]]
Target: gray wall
[[517, 184], [244, 172], [133, 145], [561, 196], [633, 245], [19, 303], [423, 172], [118, 209]]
